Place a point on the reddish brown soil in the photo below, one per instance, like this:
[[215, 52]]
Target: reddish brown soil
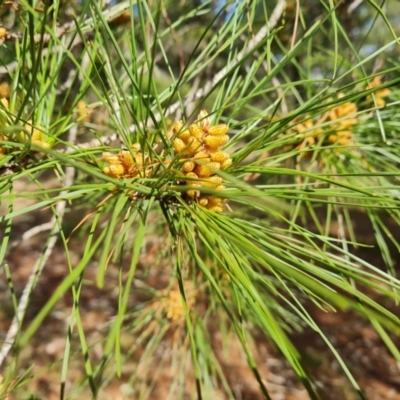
[[371, 364]]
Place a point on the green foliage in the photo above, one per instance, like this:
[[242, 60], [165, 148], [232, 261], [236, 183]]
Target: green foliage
[[309, 92]]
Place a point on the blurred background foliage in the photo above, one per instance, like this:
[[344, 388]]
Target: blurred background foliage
[[149, 294]]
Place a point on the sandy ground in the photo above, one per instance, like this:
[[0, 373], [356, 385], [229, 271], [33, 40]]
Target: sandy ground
[[372, 365]]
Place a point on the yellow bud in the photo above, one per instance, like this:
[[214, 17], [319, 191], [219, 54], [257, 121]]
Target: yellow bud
[[114, 170], [343, 141], [136, 147], [5, 90], [193, 193], [220, 187], [185, 136], [126, 159], [111, 158], [84, 111], [211, 182], [196, 131], [177, 126], [216, 208], [203, 161], [215, 201], [203, 201], [192, 182], [227, 163], [379, 101], [192, 145], [193, 178], [37, 135], [332, 138], [3, 32], [218, 130], [179, 145], [345, 137], [216, 141], [138, 158], [40, 143], [192, 175], [188, 166], [201, 155], [208, 169], [220, 156], [203, 120]]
